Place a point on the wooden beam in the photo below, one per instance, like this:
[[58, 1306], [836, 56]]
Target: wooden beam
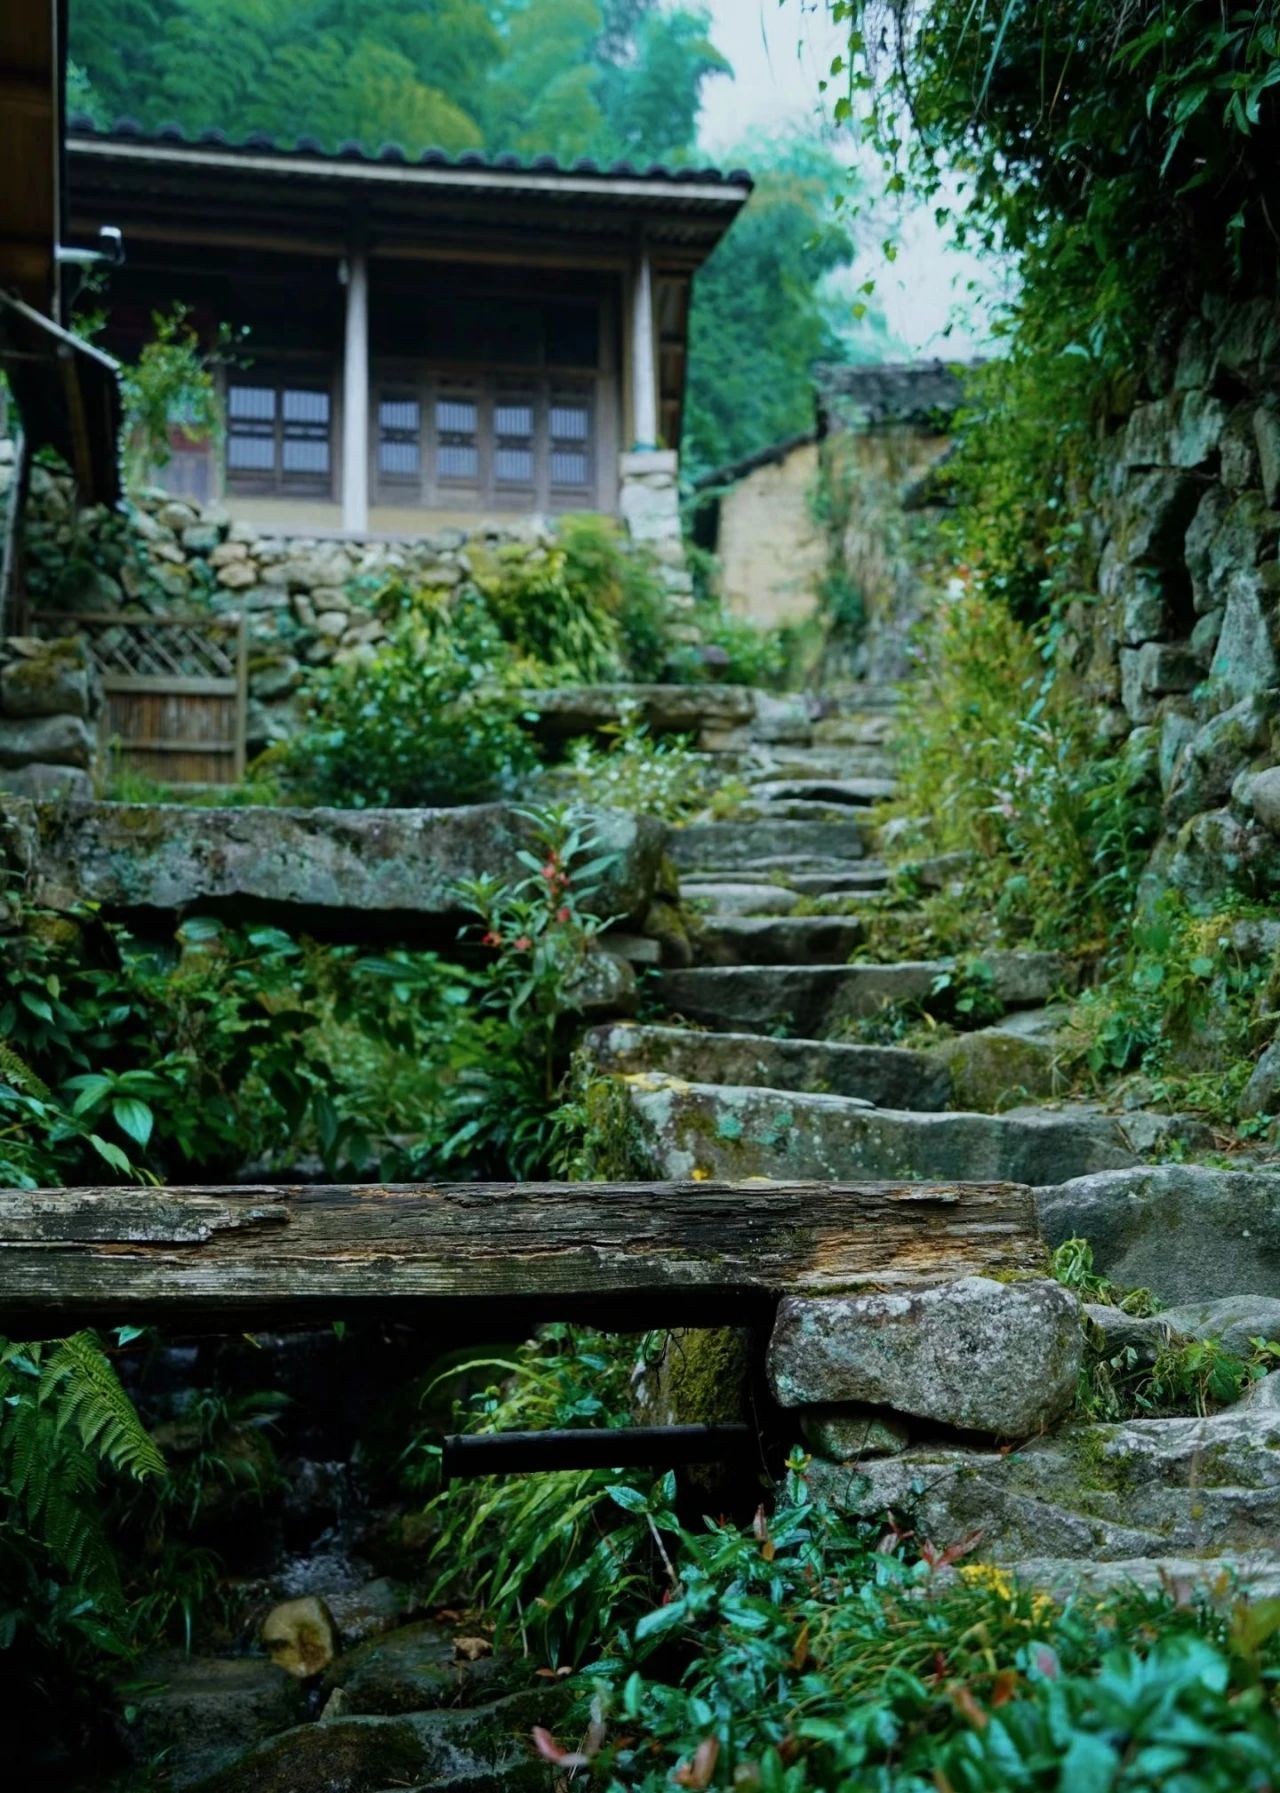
[[629, 1255]]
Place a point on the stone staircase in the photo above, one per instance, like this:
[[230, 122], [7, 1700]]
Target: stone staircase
[[752, 1067]]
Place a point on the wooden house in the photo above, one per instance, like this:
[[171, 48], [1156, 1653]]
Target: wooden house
[[430, 340]]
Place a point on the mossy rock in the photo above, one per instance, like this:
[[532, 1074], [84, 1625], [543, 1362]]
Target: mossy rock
[[483, 1748], [416, 1668], [702, 1378], [992, 1070]]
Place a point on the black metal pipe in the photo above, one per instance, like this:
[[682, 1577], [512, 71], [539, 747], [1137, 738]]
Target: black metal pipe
[[592, 1447]]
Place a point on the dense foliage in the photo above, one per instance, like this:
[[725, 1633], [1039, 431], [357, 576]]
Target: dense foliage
[[602, 78], [801, 1650], [184, 1062], [1123, 157]]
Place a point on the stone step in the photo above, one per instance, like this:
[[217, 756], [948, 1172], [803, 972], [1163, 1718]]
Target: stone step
[[1142, 1490], [715, 845], [858, 699], [812, 1000], [791, 809], [830, 880], [888, 1076], [870, 730], [805, 876], [724, 939], [857, 792], [724, 897], [730, 1131], [761, 766]]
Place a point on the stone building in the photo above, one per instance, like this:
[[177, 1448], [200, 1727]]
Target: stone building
[[838, 507], [430, 342]]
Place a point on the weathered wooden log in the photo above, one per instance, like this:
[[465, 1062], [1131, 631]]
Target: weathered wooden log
[[625, 1254]]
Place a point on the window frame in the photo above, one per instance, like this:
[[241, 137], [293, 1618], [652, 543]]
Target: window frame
[[279, 481]]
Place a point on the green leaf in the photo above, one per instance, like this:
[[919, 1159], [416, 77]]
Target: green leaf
[[133, 1117]]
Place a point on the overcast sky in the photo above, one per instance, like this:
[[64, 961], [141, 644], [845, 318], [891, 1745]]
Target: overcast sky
[[779, 54]]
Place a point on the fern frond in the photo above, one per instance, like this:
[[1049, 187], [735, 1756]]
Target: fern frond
[[15, 1070], [88, 1396]]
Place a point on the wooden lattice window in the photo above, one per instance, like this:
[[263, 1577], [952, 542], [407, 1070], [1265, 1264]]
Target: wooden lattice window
[[279, 437]]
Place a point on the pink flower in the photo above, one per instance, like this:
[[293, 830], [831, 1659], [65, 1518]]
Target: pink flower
[[522, 943]]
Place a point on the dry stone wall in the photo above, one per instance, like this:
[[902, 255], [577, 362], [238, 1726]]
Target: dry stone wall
[[1178, 643], [50, 700]]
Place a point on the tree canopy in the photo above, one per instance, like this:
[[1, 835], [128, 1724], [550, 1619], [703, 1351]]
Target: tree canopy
[[602, 78], [764, 311]]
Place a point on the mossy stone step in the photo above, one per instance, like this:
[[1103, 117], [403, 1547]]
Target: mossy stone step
[[723, 896], [1142, 1490], [715, 845], [791, 809], [888, 1076], [735, 1132], [811, 1001], [803, 877], [766, 766], [724, 939]]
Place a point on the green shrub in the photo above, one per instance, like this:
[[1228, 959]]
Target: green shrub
[[631, 769], [428, 719], [994, 752], [733, 651]]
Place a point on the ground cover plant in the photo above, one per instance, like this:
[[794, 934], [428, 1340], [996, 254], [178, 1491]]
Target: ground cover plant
[[800, 1649], [184, 1060]]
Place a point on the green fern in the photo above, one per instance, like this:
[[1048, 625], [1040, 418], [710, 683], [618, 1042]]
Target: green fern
[[64, 1418], [15, 1070]]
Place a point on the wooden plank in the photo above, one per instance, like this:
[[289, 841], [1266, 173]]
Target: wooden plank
[[629, 1254]]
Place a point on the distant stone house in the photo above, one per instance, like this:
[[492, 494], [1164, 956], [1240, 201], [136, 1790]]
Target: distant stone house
[[834, 504], [432, 341]]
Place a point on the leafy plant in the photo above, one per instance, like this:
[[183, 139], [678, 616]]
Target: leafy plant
[[633, 770], [428, 719], [551, 1557]]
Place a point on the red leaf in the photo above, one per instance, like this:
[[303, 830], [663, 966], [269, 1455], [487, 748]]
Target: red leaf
[[699, 1772], [550, 1750]]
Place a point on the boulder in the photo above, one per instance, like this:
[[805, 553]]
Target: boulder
[[1215, 855], [1188, 1231], [416, 1668], [1245, 659], [843, 1435], [1235, 1320], [995, 1066], [47, 784], [1141, 1489], [47, 740], [478, 1748], [976, 1354], [1258, 793], [48, 678], [1261, 1094], [1211, 760], [196, 1711], [393, 865]]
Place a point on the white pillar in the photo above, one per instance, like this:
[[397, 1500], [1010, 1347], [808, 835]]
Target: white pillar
[[355, 397], [644, 359]]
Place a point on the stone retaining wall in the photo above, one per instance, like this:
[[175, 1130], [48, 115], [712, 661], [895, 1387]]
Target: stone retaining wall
[[1178, 643], [49, 703], [309, 602]]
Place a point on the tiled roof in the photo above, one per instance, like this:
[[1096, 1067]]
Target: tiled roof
[[920, 392], [309, 149]]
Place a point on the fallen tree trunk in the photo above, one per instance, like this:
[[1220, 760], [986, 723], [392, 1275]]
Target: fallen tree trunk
[[627, 1255]]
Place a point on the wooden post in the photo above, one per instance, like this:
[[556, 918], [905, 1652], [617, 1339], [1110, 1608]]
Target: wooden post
[[355, 395]]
